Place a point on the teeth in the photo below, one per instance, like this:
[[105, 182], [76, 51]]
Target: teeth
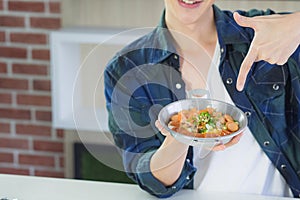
[[188, 1]]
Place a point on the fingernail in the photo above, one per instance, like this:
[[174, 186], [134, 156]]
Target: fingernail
[[239, 87]]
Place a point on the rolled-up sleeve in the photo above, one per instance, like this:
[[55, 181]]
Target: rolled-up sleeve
[[149, 183], [136, 138]]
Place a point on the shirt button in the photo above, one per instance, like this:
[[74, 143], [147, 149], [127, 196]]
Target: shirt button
[[275, 87], [222, 50], [266, 143], [283, 167], [188, 178], [175, 57], [229, 81], [174, 187], [188, 160], [248, 114], [178, 86]]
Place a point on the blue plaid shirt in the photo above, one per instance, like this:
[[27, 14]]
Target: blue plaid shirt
[[144, 76]]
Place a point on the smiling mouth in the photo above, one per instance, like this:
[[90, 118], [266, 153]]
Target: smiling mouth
[[190, 2]]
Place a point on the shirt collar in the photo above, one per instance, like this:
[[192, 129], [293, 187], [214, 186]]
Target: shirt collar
[[229, 32], [163, 41]]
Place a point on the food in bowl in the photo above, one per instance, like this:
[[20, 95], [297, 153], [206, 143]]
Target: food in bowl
[[204, 123], [195, 139]]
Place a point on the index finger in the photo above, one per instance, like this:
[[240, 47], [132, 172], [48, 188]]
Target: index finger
[[232, 142], [245, 68], [161, 128]]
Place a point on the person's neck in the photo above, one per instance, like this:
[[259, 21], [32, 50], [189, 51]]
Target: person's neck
[[190, 36]]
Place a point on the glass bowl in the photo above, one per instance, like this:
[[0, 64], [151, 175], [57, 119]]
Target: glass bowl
[[201, 103]]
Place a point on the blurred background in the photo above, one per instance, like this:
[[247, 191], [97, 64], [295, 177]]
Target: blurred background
[[43, 46]]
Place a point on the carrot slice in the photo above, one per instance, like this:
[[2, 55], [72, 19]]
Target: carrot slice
[[202, 111], [176, 118], [225, 132], [209, 110], [228, 118], [232, 126]]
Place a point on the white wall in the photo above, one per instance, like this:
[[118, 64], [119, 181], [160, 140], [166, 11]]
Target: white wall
[[141, 13]]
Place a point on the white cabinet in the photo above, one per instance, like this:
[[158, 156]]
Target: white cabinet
[[78, 59]]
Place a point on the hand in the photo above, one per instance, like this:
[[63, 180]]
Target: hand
[[232, 142], [161, 129], [276, 38], [169, 138]]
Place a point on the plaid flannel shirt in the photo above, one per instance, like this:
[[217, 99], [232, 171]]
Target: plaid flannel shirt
[[144, 76]]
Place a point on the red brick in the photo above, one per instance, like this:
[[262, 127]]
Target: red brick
[[9, 113], [4, 127], [35, 100], [36, 160], [43, 85], [2, 36], [3, 67], [41, 54], [52, 174], [54, 7], [5, 170], [28, 38], [6, 157], [48, 146], [43, 116], [12, 21], [1, 4], [11, 83], [28, 6], [31, 69], [5, 98], [13, 52], [36, 130], [60, 133], [45, 22], [62, 162], [14, 143]]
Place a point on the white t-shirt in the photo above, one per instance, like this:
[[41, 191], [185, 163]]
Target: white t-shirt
[[242, 168]]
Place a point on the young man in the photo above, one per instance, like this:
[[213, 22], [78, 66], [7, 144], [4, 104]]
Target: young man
[[197, 46]]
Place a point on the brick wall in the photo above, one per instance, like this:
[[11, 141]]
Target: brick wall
[[28, 144]]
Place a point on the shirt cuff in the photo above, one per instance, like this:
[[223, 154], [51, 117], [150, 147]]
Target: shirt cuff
[[148, 182]]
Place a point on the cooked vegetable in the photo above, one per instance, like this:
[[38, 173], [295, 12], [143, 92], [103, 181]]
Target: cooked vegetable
[[203, 123]]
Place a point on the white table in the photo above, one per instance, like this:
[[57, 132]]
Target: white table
[[40, 188]]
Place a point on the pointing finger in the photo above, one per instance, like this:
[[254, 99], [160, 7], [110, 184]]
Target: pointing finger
[[245, 68]]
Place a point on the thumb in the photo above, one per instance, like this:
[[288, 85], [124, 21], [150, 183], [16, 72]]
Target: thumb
[[243, 21]]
